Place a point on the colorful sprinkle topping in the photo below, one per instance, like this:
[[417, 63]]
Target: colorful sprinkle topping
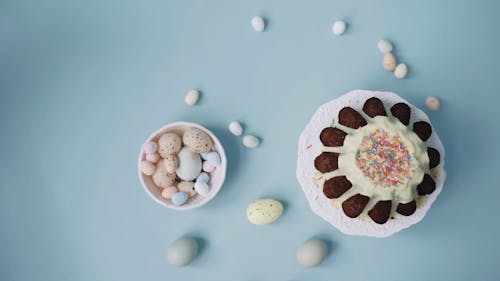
[[384, 158]]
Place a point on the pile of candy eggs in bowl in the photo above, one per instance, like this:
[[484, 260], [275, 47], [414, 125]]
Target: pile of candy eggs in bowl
[[182, 165]]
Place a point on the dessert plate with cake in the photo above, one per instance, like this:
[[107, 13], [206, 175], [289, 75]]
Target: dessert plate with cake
[[370, 163]]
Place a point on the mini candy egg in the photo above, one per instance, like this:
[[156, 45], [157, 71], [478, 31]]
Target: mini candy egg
[[401, 71], [169, 144], [182, 251], [197, 140], [179, 198], [189, 164], [211, 157], [384, 46], [153, 157], [171, 163], [188, 187], [161, 178], [432, 103], [258, 24], [201, 188], [389, 62], [149, 147], [192, 97], [264, 211], [338, 27], [251, 141], [207, 167], [168, 192], [235, 128], [204, 177], [147, 168], [311, 253]]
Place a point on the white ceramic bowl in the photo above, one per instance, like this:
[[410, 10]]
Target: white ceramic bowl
[[217, 177]]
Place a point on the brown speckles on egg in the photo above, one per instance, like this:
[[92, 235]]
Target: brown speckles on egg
[[169, 144], [197, 140]]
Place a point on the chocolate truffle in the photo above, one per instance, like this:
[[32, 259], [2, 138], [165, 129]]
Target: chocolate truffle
[[401, 111], [332, 136], [354, 205], [427, 186], [374, 107], [381, 212], [407, 209], [327, 162], [336, 186], [422, 129], [351, 118]]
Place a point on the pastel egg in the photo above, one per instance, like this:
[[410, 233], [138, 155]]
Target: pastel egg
[[311, 253], [264, 211], [338, 27], [168, 192], [150, 147], [235, 128], [188, 187], [161, 177], [258, 24], [197, 140], [179, 198], [182, 251], [211, 157], [204, 177], [169, 144], [389, 62], [192, 97], [171, 163], [189, 164], [147, 168], [201, 188], [153, 157], [384, 46], [207, 167], [251, 141], [432, 103], [401, 71]]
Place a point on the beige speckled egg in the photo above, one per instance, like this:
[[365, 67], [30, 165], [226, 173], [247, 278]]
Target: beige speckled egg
[[188, 187], [169, 144], [389, 62], [168, 192], [197, 140], [264, 211], [147, 168], [171, 163], [161, 177]]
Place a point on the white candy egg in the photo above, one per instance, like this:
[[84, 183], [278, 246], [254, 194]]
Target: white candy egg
[[169, 144], [189, 164], [258, 24], [433, 103], [264, 211], [201, 188], [338, 27], [182, 251], [171, 163], [389, 62], [235, 128], [188, 187], [311, 253], [147, 168], [384, 46], [197, 140], [212, 157], [401, 71], [192, 97], [251, 141], [161, 177]]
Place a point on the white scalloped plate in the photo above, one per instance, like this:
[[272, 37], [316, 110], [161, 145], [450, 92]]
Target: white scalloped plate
[[309, 144]]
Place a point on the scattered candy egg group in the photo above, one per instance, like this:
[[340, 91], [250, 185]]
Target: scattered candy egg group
[[192, 97], [433, 103], [182, 251], [338, 27], [264, 211], [389, 62], [258, 24], [311, 253]]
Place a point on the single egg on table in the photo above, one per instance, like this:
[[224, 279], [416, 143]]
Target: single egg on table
[[182, 251], [192, 97], [264, 211], [251, 141], [235, 128], [311, 253]]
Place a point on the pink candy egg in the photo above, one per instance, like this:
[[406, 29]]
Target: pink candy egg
[[207, 167], [153, 157], [150, 147]]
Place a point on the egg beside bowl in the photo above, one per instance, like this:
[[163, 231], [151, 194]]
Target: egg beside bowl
[[185, 168]]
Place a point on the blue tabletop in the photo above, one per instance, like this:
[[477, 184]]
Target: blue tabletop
[[83, 83]]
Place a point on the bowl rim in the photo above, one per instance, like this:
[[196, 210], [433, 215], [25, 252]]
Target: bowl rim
[[216, 188]]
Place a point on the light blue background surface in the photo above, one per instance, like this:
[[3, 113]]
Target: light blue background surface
[[83, 83]]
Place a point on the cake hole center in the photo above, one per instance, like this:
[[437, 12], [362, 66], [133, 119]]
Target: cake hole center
[[384, 158]]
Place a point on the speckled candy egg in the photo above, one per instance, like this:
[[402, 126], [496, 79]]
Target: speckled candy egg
[[197, 140], [171, 163], [188, 187], [169, 144], [161, 177], [182, 251], [189, 164], [264, 211], [311, 253]]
